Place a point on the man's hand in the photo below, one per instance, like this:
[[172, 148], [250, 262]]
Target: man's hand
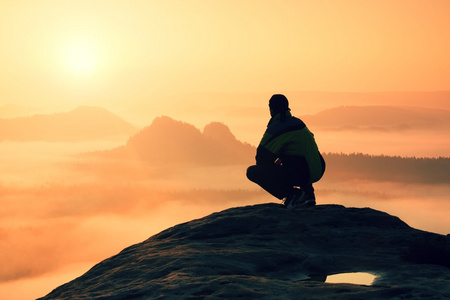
[[264, 156]]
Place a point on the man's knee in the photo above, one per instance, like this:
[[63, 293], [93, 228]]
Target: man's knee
[[251, 172]]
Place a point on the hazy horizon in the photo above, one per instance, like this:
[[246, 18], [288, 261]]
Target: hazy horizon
[[80, 210], [374, 128]]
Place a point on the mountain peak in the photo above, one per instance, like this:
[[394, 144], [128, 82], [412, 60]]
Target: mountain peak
[[170, 141], [218, 131], [265, 251], [82, 123]]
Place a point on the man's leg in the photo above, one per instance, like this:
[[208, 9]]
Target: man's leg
[[310, 197], [307, 186], [271, 178]]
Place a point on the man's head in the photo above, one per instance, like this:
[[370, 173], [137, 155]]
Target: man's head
[[278, 103]]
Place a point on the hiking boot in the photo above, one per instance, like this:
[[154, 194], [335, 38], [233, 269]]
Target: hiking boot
[[310, 200], [309, 203], [294, 199]]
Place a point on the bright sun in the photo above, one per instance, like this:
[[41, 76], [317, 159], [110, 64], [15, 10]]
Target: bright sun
[[80, 57]]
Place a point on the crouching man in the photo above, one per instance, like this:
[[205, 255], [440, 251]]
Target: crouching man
[[288, 160]]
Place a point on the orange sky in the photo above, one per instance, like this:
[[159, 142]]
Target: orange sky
[[126, 53]]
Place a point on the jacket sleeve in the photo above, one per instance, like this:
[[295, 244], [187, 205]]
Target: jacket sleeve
[[264, 156]]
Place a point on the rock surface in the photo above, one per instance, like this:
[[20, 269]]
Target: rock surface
[[268, 252]]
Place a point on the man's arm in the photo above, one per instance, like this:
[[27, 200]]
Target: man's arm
[[264, 156]]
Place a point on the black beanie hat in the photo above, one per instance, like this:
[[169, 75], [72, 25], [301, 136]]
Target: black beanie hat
[[278, 103]]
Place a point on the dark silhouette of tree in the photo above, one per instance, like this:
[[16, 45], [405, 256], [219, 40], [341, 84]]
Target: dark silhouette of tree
[[387, 168]]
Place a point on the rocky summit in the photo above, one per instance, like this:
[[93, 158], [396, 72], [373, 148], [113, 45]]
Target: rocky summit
[[267, 252]]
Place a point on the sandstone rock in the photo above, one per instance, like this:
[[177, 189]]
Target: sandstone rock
[[268, 252]]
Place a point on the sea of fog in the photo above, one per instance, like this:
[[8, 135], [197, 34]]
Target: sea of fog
[[62, 214]]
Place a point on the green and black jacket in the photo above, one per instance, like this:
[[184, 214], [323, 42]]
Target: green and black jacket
[[288, 139]]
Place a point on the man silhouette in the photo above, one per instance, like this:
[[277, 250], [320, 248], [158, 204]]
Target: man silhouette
[[288, 160]]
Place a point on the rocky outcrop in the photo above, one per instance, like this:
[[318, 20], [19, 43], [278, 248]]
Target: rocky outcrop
[[268, 252], [167, 141]]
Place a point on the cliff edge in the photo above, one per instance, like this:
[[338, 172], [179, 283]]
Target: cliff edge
[[267, 252]]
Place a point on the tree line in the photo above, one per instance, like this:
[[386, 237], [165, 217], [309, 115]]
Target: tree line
[[342, 166]]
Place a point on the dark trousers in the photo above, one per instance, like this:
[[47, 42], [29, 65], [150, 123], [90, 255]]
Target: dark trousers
[[275, 179]]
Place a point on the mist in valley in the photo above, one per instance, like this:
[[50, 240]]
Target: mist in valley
[[66, 205]]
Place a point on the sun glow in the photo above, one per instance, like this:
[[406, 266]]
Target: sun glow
[[80, 57]]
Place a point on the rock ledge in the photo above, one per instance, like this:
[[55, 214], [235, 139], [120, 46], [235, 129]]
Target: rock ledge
[[267, 252]]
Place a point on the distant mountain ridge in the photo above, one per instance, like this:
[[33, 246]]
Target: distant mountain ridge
[[169, 141], [10, 111], [82, 123], [380, 118], [387, 168]]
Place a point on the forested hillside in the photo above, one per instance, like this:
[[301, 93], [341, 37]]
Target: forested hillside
[[387, 168]]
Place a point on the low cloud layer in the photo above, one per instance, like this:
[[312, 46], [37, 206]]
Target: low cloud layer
[[61, 210]]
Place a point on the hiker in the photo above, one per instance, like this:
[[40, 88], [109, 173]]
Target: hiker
[[288, 160]]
